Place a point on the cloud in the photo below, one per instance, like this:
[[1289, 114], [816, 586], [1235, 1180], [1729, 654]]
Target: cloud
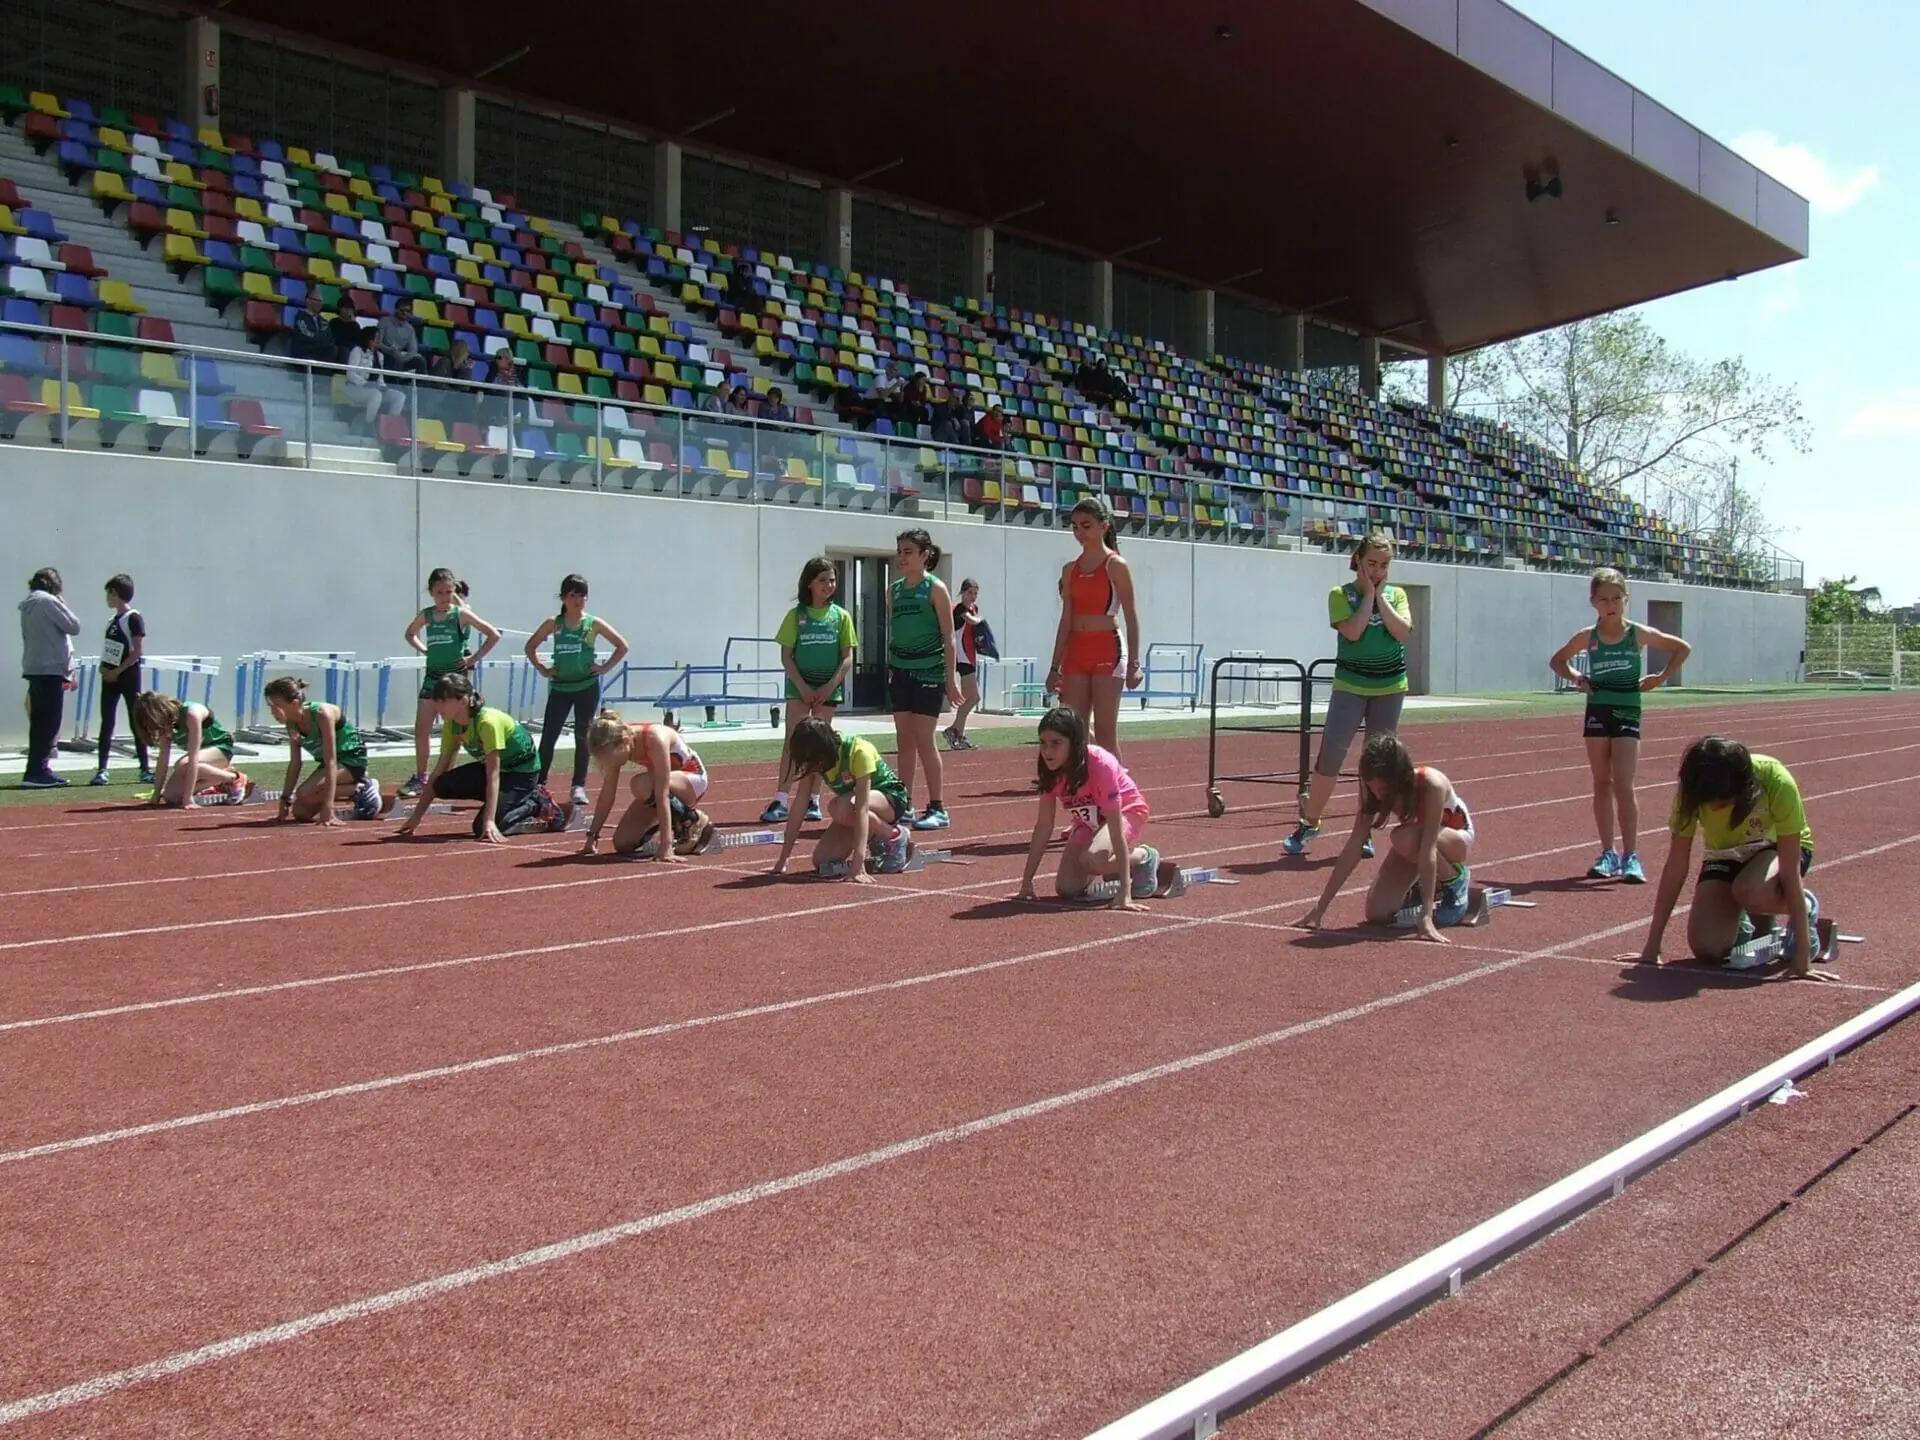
[[1796, 166], [1890, 416]]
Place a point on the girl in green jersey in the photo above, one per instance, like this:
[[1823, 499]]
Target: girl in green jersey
[[341, 755], [573, 677], [501, 770], [920, 666], [204, 745], [1614, 680], [816, 642], [439, 632]]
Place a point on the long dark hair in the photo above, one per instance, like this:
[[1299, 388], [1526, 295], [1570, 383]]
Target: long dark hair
[[810, 572], [1715, 771], [923, 542], [1064, 721], [814, 747], [459, 687], [1383, 757], [573, 585], [46, 580], [441, 572], [1093, 505]]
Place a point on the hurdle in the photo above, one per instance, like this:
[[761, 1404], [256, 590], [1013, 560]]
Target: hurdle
[[1480, 908], [339, 684], [86, 685], [1764, 949]]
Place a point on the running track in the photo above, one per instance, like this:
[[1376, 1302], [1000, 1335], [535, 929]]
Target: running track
[[311, 1132]]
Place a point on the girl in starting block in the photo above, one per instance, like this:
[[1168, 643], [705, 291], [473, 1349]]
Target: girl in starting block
[[669, 766], [205, 746], [870, 811], [1747, 808], [1109, 816], [340, 755], [1432, 832]]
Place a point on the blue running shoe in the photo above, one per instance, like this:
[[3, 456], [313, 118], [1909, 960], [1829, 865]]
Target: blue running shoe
[[1607, 867], [1631, 871], [1450, 905], [774, 813], [1296, 843], [932, 818], [896, 849], [1366, 850], [1146, 873]]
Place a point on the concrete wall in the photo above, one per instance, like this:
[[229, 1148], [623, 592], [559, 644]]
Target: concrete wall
[[232, 558]]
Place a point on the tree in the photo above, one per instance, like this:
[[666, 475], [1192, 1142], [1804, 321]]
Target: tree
[[1837, 602], [1628, 409]]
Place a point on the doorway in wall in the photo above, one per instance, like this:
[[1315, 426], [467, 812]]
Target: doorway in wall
[[863, 594], [1664, 615], [1420, 607]]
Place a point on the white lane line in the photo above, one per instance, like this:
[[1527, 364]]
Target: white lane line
[[247, 1342], [414, 856]]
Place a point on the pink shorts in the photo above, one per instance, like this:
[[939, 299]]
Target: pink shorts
[[1133, 824]]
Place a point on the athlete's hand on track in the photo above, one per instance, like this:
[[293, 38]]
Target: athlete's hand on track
[[1025, 892], [591, 846], [858, 875], [1824, 977], [491, 835], [1426, 930]]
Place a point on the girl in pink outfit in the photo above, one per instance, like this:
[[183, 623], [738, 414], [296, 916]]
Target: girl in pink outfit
[[1109, 815]]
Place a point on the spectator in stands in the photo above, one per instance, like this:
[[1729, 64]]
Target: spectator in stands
[[714, 402], [1095, 379], [396, 341], [953, 420], [345, 327], [47, 628], [366, 391], [914, 408], [312, 335], [740, 294], [737, 403], [490, 407], [991, 433], [776, 408]]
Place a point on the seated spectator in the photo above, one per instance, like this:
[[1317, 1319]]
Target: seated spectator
[[312, 335], [397, 343], [492, 407], [1095, 379], [367, 392], [741, 297], [737, 403], [953, 420], [714, 402], [776, 408], [915, 405], [991, 433], [345, 328]]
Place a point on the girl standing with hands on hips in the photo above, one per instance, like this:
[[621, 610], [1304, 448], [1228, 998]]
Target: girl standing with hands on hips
[[920, 673], [573, 678], [439, 632], [1372, 621], [1090, 666]]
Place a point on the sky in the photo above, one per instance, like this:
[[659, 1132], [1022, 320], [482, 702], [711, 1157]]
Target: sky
[[1823, 98]]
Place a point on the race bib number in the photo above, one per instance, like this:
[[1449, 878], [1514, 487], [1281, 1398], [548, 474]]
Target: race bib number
[[1087, 815], [112, 652]]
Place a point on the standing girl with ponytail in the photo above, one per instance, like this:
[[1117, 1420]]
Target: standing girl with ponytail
[[439, 632], [573, 679], [1090, 667], [920, 674]]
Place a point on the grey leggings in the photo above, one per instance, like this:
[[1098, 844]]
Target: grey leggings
[[1345, 711]]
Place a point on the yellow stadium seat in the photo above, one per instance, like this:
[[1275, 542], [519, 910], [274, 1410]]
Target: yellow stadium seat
[[214, 140], [77, 408], [427, 312], [260, 287], [337, 203], [516, 324], [432, 186], [440, 204], [539, 226], [118, 295], [797, 471], [653, 395], [432, 435], [300, 157], [468, 271], [162, 370], [245, 207], [43, 102], [361, 189], [180, 173], [586, 360], [321, 271], [182, 222], [113, 139], [568, 383], [180, 250], [107, 186], [607, 455], [349, 250], [8, 225]]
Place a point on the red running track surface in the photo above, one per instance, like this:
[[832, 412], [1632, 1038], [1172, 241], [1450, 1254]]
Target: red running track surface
[[454, 1143]]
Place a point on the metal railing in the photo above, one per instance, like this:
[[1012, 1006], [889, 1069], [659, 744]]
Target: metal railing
[[605, 443]]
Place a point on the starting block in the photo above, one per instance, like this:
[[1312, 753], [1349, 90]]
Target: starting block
[[1184, 880], [734, 839], [1480, 907], [1764, 949], [920, 859]]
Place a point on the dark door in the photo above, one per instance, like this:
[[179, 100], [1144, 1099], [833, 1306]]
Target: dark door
[[863, 593], [1664, 615]]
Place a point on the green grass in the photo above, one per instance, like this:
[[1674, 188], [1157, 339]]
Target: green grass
[[268, 768]]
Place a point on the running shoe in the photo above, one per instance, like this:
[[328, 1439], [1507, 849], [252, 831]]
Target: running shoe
[[932, 818], [240, 787], [1450, 905], [961, 742], [831, 869], [1296, 843], [952, 737], [896, 849], [1787, 941], [1172, 881], [366, 798], [579, 796], [99, 778], [697, 836], [1607, 867], [1366, 849], [415, 784], [41, 780], [1146, 873], [1632, 871], [813, 809], [774, 813], [146, 776]]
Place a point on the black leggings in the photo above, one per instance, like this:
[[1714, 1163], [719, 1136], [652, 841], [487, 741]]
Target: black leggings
[[127, 688], [46, 700], [469, 782], [583, 704]]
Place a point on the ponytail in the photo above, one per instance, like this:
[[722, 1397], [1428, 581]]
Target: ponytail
[[923, 542], [458, 687], [290, 688], [608, 732], [1095, 506]]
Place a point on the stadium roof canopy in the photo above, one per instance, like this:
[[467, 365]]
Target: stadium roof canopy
[[1365, 161]]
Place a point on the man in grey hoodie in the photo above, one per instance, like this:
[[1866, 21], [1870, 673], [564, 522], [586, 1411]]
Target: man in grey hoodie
[[47, 628]]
